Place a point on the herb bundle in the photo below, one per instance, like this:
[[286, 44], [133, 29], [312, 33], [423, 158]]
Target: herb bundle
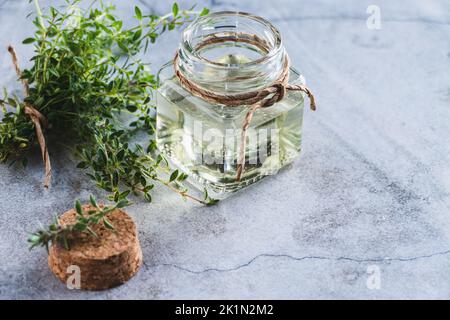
[[85, 76]]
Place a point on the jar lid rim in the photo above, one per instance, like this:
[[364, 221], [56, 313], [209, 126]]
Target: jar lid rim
[[194, 54]]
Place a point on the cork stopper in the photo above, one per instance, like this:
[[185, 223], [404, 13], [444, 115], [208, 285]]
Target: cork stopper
[[104, 262]]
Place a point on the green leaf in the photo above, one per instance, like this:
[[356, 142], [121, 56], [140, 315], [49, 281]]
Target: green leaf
[[148, 188], [175, 9], [33, 238], [122, 46], [118, 25], [138, 13], [115, 181], [212, 202], [124, 195], [173, 176], [78, 208], [204, 12], [143, 181], [82, 165], [108, 224], [120, 155], [137, 34], [122, 204], [28, 40], [152, 146], [91, 232], [93, 201], [131, 108], [148, 197], [80, 226]]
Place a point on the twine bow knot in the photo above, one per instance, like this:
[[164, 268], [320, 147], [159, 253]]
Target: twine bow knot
[[38, 119]]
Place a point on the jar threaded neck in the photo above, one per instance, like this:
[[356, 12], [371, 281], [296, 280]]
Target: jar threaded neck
[[231, 52]]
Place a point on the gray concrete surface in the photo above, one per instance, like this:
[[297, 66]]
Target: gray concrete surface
[[372, 187]]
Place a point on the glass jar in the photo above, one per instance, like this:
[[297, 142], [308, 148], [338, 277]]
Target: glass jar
[[203, 138]]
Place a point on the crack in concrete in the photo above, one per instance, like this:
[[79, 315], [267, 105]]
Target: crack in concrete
[[290, 257]]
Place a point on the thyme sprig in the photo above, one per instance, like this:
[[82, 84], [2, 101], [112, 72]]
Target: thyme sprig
[[85, 219], [85, 76]]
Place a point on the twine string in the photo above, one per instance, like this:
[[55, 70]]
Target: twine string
[[255, 100], [36, 117]]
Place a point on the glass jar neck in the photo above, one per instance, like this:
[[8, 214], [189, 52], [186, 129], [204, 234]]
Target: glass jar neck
[[231, 52]]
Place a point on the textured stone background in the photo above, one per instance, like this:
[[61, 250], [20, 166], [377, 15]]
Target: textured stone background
[[372, 186]]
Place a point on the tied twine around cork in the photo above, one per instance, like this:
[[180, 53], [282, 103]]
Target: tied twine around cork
[[255, 100], [36, 117]]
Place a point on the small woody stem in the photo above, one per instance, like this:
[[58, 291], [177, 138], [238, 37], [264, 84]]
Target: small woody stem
[[182, 193], [39, 13]]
